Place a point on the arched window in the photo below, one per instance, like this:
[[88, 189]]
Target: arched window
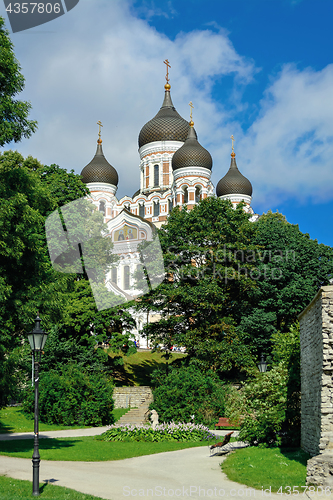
[[126, 278], [156, 208], [156, 175], [141, 209], [185, 195], [114, 275], [197, 194], [102, 207], [170, 205]]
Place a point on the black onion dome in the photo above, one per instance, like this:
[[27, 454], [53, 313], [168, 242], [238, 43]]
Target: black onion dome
[[167, 125], [191, 154], [233, 182], [99, 169]]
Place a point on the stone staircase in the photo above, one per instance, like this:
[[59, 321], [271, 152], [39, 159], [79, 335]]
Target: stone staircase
[[139, 415]]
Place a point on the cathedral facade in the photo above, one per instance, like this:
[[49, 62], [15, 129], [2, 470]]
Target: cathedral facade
[[174, 170]]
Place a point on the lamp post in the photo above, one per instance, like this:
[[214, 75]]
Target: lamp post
[[262, 365], [37, 339]]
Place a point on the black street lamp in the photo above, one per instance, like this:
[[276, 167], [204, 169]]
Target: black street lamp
[[262, 365], [37, 339]]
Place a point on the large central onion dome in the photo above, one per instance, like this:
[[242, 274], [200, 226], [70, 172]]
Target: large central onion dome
[[191, 154], [99, 169], [167, 125], [234, 182]]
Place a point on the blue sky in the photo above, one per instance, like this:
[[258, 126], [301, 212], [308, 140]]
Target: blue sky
[[258, 69]]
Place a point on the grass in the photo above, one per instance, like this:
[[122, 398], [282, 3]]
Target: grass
[[138, 367], [15, 489], [89, 449], [267, 468], [12, 419]]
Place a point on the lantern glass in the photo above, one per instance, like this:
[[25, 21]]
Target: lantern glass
[[262, 365], [37, 337], [31, 341]]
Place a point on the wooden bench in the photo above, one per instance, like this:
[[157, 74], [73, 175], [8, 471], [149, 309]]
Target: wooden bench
[[223, 422], [221, 444]]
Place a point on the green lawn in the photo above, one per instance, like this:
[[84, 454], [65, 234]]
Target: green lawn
[[267, 467], [89, 449], [12, 419], [138, 367], [15, 489]]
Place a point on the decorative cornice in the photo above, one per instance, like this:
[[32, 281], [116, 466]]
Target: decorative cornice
[[159, 147], [237, 198], [192, 172], [101, 187]]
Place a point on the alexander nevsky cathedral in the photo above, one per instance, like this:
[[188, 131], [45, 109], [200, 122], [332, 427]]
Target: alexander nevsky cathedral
[[175, 169]]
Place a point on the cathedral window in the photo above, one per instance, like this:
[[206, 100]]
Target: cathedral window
[[126, 278], [170, 205], [156, 175], [185, 195], [198, 195], [102, 207], [141, 209], [114, 275], [156, 208]]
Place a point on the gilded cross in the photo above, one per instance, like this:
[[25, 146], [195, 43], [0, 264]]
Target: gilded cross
[[99, 123], [191, 106], [166, 62], [232, 142]]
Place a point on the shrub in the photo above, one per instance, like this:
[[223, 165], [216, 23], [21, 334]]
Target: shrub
[[187, 391], [162, 432], [72, 397], [261, 407]]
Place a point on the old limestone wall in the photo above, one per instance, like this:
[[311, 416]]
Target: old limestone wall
[[316, 330], [131, 397]]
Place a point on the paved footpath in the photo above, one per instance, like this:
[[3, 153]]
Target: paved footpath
[[190, 473]]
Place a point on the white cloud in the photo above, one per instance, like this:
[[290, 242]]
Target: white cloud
[[103, 63], [289, 147]]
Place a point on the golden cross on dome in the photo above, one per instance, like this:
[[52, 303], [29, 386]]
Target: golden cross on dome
[[166, 62], [99, 123], [232, 142], [191, 106]]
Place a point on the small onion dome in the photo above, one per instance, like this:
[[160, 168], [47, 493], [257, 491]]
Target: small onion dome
[[99, 169], [233, 182], [167, 125], [191, 154]]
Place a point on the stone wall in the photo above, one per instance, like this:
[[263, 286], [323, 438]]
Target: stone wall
[[131, 397], [316, 328]]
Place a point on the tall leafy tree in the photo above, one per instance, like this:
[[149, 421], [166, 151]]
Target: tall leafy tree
[[14, 122], [291, 268], [29, 192], [207, 284]]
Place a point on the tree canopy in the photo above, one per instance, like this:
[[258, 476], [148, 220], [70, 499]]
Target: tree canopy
[[29, 192], [231, 284], [14, 122]]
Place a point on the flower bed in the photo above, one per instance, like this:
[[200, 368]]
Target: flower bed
[[162, 432]]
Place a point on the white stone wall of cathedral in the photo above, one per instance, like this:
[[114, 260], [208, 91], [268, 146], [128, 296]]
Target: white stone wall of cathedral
[[157, 153], [193, 181]]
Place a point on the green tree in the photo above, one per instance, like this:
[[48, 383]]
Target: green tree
[[286, 351], [71, 396], [14, 123], [187, 391], [29, 192], [207, 284], [260, 406], [291, 269]]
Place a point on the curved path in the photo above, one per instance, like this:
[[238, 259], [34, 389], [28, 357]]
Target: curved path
[[190, 473]]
